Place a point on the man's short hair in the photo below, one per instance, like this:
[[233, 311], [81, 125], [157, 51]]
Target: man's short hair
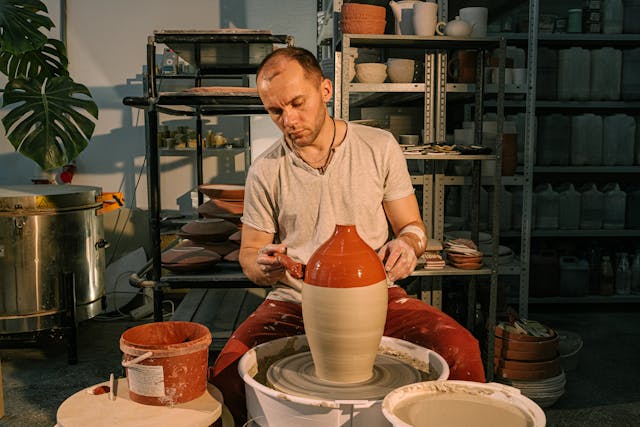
[[302, 56]]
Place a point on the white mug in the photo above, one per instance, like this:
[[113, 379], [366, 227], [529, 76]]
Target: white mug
[[477, 17], [425, 18]]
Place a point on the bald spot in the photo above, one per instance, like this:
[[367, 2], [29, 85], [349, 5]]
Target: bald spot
[[277, 64]]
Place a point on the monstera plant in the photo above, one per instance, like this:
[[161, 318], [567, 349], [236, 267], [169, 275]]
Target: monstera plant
[[52, 118]]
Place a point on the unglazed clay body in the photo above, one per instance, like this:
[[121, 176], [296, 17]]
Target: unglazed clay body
[[344, 306]]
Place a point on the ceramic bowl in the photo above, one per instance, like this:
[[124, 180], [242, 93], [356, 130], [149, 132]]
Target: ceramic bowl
[[363, 11], [362, 26], [208, 230], [400, 70], [371, 72], [520, 370], [210, 210]]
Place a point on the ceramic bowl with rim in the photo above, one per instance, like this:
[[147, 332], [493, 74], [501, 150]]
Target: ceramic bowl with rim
[[400, 70], [371, 72]]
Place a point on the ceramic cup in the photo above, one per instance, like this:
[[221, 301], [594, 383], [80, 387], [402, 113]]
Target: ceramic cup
[[477, 17], [409, 139], [425, 18], [519, 76], [400, 70]]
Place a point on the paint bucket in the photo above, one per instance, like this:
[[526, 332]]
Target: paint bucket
[[270, 407], [460, 404], [166, 362]]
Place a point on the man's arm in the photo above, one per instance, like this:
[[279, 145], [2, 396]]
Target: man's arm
[[257, 258], [400, 255]]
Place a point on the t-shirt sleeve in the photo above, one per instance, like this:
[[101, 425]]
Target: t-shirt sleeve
[[397, 183], [259, 211]]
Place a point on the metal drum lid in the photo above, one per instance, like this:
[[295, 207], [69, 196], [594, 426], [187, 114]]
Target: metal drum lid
[[47, 198]]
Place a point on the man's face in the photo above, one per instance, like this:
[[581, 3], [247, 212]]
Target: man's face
[[296, 102]]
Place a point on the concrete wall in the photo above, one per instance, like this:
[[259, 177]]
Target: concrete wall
[[106, 43]]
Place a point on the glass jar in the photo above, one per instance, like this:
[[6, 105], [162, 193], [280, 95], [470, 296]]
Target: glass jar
[[623, 274], [635, 273], [606, 276]]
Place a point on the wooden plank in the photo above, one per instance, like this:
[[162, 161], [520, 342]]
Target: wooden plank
[[189, 305]]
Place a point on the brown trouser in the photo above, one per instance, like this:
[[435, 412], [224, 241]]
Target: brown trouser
[[407, 318]]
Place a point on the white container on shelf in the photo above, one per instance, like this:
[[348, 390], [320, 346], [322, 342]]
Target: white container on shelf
[[618, 140], [606, 73], [591, 207], [615, 201], [574, 70], [586, 140], [630, 86], [612, 16], [554, 140], [568, 207], [546, 208]]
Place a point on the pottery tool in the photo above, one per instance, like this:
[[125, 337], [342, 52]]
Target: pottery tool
[[138, 359], [112, 395]]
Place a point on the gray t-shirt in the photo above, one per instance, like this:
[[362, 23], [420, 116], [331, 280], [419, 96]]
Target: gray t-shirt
[[287, 197]]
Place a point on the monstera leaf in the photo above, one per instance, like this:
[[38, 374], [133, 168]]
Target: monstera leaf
[[20, 23], [50, 61], [51, 123]]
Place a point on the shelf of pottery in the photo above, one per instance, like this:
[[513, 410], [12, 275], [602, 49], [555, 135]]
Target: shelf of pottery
[[201, 81], [584, 122]]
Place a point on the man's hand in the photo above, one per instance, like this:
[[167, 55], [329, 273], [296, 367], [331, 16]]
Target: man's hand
[[399, 258], [269, 268]]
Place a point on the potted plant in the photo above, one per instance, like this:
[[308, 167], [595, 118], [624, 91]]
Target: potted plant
[[52, 118]]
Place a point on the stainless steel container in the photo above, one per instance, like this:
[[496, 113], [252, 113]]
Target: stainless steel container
[[49, 233]]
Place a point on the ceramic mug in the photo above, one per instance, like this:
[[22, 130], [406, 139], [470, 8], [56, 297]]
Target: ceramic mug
[[425, 19], [477, 17], [461, 68]]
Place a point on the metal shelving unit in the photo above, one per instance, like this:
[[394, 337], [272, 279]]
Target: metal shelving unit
[[434, 51], [195, 47]]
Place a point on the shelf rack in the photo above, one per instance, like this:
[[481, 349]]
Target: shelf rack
[[433, 92], [195, 47]]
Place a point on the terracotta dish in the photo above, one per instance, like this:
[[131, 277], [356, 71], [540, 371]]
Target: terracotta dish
[[221, 248], [233, 256], [233, 207], [208, 230], [210, 210], [520, 370], [467, 265], [223, 191], [189, 259]]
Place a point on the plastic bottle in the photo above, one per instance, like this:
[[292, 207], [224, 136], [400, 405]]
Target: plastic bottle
[[612, 16], [606, 276], [615, 201], [623, 274], [635, 273], [568, 207]]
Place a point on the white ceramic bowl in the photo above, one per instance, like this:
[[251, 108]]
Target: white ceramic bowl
[[400, 70], [371, 72]]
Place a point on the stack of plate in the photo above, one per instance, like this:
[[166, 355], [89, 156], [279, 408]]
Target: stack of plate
[[544, 392], [207, 230], [530, 363], [226, 201]]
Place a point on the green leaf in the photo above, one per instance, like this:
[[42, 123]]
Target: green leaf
[[51, 122], [51, 61], [20, 23]]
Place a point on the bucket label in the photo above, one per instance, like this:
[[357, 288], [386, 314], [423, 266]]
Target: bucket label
[[146, 380]]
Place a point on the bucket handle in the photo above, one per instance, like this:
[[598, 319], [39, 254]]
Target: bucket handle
[[130, 363]]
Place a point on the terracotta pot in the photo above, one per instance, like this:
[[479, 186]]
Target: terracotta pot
[[344, 306]]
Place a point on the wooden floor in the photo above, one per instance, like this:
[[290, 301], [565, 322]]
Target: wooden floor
[[222, 310]]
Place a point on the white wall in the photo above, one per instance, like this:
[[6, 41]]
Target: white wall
[[106, 43]]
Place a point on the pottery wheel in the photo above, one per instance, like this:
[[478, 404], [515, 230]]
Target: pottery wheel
[[295, 375]]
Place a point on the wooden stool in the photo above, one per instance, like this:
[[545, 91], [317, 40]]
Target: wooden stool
[[83, 409]]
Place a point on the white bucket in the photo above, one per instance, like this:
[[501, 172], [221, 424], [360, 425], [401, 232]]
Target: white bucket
[[461, 404], [274, 408]]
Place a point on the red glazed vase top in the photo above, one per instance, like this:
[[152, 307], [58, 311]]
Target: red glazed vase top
[[344, 261]]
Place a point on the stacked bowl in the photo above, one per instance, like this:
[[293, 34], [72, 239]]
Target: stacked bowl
[[529, 362], [363, 19], [226, 202]]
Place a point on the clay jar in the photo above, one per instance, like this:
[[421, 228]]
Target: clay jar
[[344, 307], [462, 67]]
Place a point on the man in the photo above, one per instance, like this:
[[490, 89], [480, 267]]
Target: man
[[324, 172]]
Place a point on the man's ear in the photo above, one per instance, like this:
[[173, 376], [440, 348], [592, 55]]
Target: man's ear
[[326, 89]]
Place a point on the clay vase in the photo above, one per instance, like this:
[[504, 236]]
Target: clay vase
[[344, 307]]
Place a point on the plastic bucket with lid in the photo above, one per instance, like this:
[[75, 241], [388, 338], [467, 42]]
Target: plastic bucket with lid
[[166, 362], [460, 404]]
